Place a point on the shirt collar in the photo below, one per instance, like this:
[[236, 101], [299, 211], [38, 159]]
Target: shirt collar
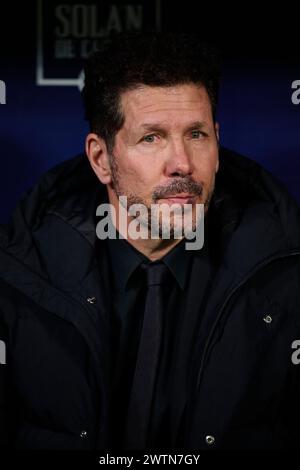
[[178, 261], [125, 259]]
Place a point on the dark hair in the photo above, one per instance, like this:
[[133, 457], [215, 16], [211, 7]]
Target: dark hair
[[157, 59]]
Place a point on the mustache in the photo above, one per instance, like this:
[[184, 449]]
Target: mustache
[[182, 185]]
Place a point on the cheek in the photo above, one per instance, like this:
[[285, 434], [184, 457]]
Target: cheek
[[143, 172], [135, 178], [206, 171], [206, 162], [126, 167]]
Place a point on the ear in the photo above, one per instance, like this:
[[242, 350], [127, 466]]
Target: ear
[[217, 129], [96, 150]]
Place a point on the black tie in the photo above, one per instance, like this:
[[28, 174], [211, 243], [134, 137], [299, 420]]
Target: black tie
[[139, 409]]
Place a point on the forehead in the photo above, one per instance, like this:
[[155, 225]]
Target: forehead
[[176, 104]]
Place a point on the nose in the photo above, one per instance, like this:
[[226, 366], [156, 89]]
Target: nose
[[179, 162]]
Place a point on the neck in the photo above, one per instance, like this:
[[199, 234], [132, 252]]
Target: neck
[[153, 249]]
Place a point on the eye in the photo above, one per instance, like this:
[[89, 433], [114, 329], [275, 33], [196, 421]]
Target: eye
[[150, 138], [197, 134]]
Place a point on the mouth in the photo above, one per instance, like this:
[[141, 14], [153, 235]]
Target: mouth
[[182, 198]]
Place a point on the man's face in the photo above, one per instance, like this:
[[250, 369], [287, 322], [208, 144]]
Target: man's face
[[167, 149]]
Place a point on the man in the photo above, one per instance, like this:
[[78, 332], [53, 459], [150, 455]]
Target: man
[[129, 342]]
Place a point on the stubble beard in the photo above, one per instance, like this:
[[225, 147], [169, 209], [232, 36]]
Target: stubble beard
[[159, 225]]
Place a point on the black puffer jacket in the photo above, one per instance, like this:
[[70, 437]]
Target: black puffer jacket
[[55, 378]]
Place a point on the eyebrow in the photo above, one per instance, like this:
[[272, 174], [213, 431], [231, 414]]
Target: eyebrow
[[160, 127]]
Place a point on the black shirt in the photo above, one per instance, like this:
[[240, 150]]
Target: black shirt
[[183, 303]]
